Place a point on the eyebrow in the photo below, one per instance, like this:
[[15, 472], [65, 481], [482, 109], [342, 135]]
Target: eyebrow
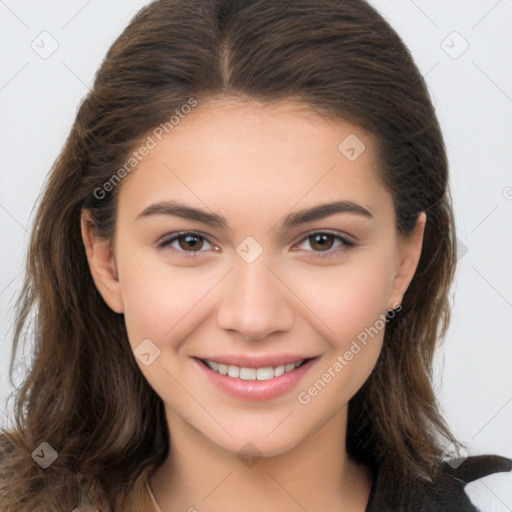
[[291, 220]]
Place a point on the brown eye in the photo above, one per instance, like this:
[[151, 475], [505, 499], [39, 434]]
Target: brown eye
[[192, 242], [321, 241], [185, 243], [323, 244]]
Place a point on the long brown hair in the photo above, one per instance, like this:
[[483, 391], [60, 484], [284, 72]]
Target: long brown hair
[[84, 393]]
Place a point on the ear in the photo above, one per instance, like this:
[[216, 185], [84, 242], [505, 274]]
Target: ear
[[408, 256], [100, 256]]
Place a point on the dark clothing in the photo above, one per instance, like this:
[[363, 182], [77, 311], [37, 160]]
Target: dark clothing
[[447, 494]]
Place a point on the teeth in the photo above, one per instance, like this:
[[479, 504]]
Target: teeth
[[244, 373], [278, 371], [248, 373], [264, 373], [234, 371]]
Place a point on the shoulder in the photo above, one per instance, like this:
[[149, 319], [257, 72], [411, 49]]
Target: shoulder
[[453, 480], [447, 492]]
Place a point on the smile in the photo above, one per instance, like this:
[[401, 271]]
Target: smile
[[256, 382], [247, 373]]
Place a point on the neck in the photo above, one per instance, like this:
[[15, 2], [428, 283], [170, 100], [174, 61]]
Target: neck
[[317, 474]]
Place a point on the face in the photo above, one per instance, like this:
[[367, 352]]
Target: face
[[225, 252]]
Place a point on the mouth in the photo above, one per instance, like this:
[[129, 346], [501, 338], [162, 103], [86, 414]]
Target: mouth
[[261, 373], [255, 383]]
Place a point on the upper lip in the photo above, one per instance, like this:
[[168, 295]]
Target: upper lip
[[257, 361]]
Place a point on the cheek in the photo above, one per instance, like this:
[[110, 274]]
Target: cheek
[[158, 298], [348, 299], [361, 301], [351, 302]]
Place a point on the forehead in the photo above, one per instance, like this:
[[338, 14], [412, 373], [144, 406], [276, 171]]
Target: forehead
[[231, 152]]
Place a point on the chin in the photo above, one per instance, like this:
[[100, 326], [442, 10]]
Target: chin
[[259, 443]]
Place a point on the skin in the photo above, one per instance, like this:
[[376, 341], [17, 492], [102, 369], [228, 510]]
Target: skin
[[253, 164]]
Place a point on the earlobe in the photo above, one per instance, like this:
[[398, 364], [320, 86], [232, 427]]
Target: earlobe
[[408, 257], [102, 264]]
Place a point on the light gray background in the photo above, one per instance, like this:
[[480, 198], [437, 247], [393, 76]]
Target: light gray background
[[472, 93]]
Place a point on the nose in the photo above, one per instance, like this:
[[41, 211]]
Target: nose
[[255, 302]]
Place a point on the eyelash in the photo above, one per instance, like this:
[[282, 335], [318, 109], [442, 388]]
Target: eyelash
[[330, 253]]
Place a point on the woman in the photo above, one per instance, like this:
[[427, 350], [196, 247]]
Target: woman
[[240, 268]]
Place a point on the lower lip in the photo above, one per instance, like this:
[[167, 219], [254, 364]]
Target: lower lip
[[256, 389]]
